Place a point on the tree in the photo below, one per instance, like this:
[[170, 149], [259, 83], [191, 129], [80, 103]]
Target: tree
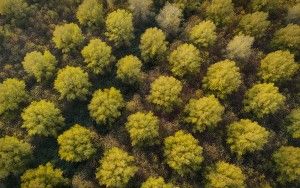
[[221, 12], [156, 182], [75, 144], [246, 136], [293, 120], [268, 5], [105, 106], [90, 13], [169, 18], [263, 99], [117, 167], [203, 34], [97, 55], [129, 69], [12, 93], [165, 93], [293, 15], [287, 38], [254, 24], [67, 37], [223, 174], [239, 48], [14, 156], [185, 59], [72, 83], [13, 8], [153, 44], [278, 66], [287, 160], [119, 27], [41, 66], [42, 118], [183, 153], [143, 128], [203, 113], [222, 78], [189, 5], [141, 9], [43, 176]]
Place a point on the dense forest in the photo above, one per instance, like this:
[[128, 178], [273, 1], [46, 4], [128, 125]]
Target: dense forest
[[149, 93]]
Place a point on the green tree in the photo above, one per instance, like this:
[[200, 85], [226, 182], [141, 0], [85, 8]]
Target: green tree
[[185, 59], [240, 47], [203, 113], [203, 34], [13, 8], [287, 38], [42, 118], [76, 145], [169, 18], [165, 93], [12, 93], [156, 182], [67, 37], [222, 78], [14, 156], [119, 27], [183, 153], [221, 12], [268, 5], [90, 13], [246, 136], [129, 69], [278, 66], [153, 44], [117, 167], [97, 55], [293, 15], [293, 120], [105, 106], [263, 99], [72, 83], [41, 66], [143, 128], [189, 5], [287, 160], [254, 24], [223, 174], [43, 176]]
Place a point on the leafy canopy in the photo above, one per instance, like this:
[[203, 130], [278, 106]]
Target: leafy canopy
[[42, 118], [223, 174], [183, 153], [246, 136], [13, 8], [294, 123], [97, 55], [185, 59], [67, 37], [222, 78], [204, 113], [12, 93], [90, 13], [119, 27], [156, 182], [239, 48], [263, 99], [153, 44], [165, 93], [43, 176], [221, 12], [117, 167], [72, 83], [143, 128], [203, 34], [76, 144], [129, 69], [105, 106], [287, 160], [14, 156], [41, 66]]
